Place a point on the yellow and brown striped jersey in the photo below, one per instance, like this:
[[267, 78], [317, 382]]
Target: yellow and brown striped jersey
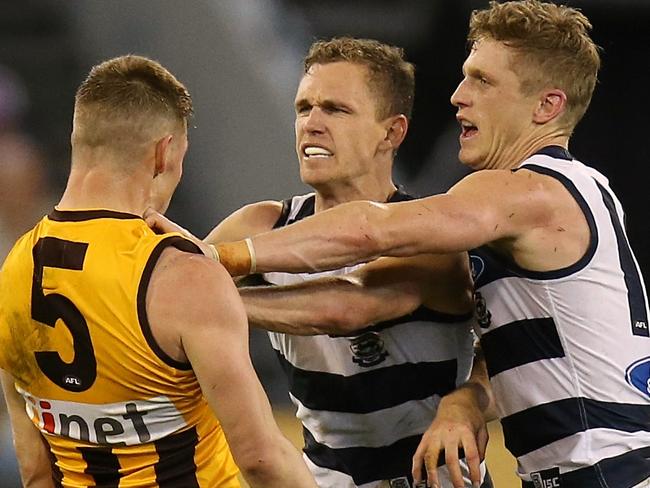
[[115, 410]]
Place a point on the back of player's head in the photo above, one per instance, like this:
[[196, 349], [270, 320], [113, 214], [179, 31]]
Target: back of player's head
[[391, 77], [553, 46], [128, 102]]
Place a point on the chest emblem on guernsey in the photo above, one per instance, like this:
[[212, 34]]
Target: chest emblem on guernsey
[[638, 375], [477, 266], [368, 349], [483, 315]]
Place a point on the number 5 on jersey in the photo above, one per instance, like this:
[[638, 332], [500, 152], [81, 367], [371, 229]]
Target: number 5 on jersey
[[80, 374]]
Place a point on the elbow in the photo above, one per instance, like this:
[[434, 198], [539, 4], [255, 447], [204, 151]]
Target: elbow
[[262, 465], [260, 472], [367, 233], [339, 320], [344, 313]]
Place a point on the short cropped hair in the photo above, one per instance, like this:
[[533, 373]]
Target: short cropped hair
[[553, 48], [127, 101], [391, 77]]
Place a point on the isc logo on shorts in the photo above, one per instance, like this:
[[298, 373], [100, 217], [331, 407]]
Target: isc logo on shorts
[[402, 482], [549, 478], [123, 423]]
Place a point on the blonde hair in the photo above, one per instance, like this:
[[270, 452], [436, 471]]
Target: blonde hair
[[391, 77], [128, 101], [553, 48]]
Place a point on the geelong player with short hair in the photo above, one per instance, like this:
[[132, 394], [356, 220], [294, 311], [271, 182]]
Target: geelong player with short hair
[[564, 310], [370, 350]]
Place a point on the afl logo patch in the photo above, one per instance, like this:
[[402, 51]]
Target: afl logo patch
[[73, 383], [477, 266], [638, 375]]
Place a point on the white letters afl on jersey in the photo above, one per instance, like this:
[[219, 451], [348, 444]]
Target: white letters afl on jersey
[[365, 400], [568, 351]]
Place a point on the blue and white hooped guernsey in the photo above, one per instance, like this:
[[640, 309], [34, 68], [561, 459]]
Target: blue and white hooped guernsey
[[568, 351], [365, 400]]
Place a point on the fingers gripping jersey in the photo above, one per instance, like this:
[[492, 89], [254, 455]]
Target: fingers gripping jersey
[[113, 407]]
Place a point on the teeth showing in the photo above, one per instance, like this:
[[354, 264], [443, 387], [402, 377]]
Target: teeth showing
[[467, 129], [315, 151]]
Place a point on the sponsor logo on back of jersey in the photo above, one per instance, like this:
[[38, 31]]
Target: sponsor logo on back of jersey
[[123, 423]]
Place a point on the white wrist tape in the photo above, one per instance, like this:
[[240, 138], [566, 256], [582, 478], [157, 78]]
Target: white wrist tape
[[251, 252], [215, 253]]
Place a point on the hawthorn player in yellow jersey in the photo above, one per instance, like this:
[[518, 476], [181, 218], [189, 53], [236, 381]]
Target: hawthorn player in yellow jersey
[[111, 403], [132, 373]]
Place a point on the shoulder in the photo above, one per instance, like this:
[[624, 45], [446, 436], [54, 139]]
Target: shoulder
[[190, 296], [524, 192], [183, 284], [508, 182], [249, 220], [267, 210]]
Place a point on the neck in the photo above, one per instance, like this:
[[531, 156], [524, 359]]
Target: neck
[[97, 187], [328, 196], [516, 153]]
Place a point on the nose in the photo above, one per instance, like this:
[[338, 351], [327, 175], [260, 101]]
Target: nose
[[459, 97], [314, 121]]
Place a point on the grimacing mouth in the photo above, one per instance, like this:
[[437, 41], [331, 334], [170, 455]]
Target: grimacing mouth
[[315, 151]]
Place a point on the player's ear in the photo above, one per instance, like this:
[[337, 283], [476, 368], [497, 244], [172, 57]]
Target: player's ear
[[161, 154], [396, 128], [551, 105]]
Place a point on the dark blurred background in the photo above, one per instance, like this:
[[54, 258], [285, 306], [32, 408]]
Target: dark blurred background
[[241, 60]]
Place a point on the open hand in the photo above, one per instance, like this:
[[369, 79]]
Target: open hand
[[458, 430]]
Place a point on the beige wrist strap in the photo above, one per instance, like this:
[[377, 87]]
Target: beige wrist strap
[[236, 257]]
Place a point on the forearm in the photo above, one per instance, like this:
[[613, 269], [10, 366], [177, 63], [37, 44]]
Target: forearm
[[267, 459], [347, 234], [30, 447], [328, 306], [357, 232], [334, 305], [282, 467], [480, 377], [477, 389], [34, 461], [287, 310]]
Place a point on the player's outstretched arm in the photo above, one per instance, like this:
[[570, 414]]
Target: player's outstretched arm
[[31, 448], [486, 206], [209, 318], [382, 290]]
